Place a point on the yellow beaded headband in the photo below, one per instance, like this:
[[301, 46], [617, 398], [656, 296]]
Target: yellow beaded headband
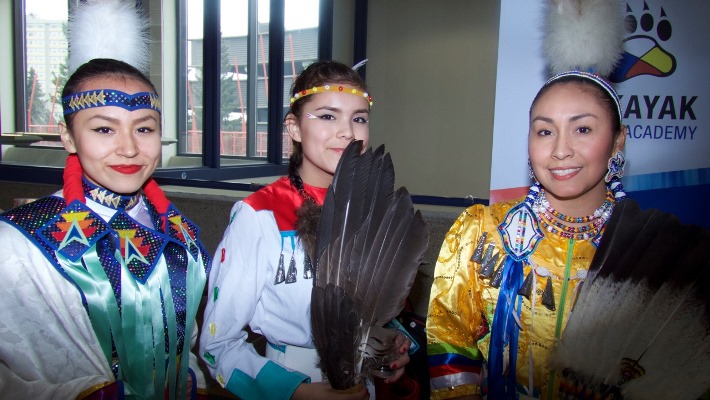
[[332, 88]]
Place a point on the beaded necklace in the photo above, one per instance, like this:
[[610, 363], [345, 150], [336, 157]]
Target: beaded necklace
[[553, 220], [568, 232], [604, 210]]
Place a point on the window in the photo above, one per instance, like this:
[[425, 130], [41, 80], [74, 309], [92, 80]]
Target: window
[[38, 85], [226, 113], [232, 90]]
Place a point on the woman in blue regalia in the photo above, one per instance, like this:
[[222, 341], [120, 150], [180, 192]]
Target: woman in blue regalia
[[102, 279]]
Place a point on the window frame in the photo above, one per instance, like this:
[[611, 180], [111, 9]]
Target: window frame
[[211, 173]]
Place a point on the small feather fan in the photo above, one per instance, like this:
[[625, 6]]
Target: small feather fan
[[370, 244], [640, 327], [108, 29], [584, 35]]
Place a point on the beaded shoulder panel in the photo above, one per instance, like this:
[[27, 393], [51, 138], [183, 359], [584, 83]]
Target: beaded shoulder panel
[[30, 218]]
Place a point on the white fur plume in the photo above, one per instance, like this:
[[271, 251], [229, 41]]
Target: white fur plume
[[108, 29], [585, 35]]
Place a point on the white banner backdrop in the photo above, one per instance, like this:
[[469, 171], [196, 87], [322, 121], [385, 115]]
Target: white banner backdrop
[[664, 84]]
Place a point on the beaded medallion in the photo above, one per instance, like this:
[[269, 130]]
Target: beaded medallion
[[520, 232]]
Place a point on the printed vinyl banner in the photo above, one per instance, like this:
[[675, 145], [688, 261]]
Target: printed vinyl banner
[[664, 84]]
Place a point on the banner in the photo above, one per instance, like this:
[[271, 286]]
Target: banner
[[664, 88]]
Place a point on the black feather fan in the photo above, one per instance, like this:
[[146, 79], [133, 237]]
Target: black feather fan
[[370, 244], [640, 328]]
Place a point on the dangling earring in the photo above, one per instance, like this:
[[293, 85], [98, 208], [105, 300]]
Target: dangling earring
[[531, 173], [615, 167]]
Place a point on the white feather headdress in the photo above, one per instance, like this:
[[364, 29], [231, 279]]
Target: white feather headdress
[[108, 29], [584, 35]]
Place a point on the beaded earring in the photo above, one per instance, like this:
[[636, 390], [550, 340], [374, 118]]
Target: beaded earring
[[531, 173], [615, 167]]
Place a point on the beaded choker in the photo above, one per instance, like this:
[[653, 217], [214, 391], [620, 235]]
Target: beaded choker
[[333, 89], [107, 198], [74, 191], [604, 210]]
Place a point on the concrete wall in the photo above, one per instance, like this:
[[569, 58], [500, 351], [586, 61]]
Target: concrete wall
[[432, 72]]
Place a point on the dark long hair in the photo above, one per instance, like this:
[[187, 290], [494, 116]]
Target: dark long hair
[[589, 86]]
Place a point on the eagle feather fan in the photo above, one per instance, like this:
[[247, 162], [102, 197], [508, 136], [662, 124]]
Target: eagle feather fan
[[370, 244]]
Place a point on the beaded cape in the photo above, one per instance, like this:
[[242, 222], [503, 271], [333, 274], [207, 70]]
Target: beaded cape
[[140, 286]]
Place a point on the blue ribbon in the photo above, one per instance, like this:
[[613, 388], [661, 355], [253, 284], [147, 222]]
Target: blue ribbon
[[505, 331]]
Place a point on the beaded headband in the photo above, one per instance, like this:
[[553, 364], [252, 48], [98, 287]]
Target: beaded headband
[[334, 89], [110, 97], [596, 79]]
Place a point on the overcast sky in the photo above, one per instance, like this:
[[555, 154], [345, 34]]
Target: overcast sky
[[299, 14], [47, 9]]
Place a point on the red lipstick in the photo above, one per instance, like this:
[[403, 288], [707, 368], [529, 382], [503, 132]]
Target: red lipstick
[[127, 169]]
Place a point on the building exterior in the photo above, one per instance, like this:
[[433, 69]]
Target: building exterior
[[47, 49]]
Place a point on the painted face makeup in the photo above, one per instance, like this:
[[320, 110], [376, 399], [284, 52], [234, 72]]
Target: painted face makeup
[[331, 120]]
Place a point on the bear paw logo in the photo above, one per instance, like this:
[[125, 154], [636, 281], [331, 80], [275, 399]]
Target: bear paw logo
[[643, 54]]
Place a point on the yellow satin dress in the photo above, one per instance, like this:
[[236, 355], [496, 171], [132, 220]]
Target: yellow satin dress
[[462, 305]]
